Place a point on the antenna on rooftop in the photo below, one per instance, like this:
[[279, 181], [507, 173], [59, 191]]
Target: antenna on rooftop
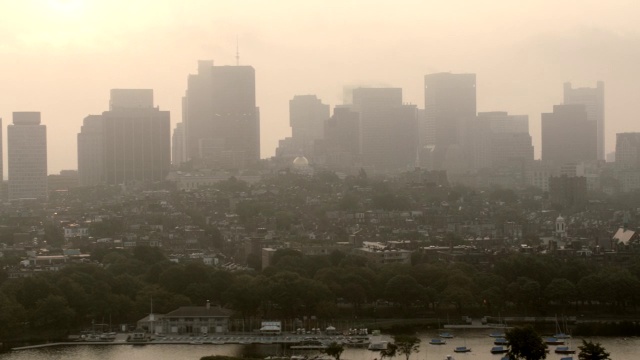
[[237, 52]]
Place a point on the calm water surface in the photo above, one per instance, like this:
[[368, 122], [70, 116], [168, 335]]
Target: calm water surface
[[479, 342]]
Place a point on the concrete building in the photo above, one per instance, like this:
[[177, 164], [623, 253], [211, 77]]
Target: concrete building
[[627, 151], [388, 129], [568, 136], [450, 103], [91, 151], [222, 122], [27, 155], [593, 99], [627, 161], [568, 191], [307, 115], [501, 140], [130, 143], [341, 144], [177, 145]]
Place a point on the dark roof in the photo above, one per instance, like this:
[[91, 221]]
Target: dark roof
[[199, 311]]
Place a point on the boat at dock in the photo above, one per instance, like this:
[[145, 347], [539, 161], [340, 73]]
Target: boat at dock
[[553, 341], [500, 341], [499, 350], [564, 350]]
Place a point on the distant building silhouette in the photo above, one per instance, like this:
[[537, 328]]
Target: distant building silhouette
[[27, 155], [568, 136], [341, 145], [502, 144], [568, 191], [177, 145], [307, 115], [627, 151], [222, 122], [91, 151], [388, 129], [134, 137], [627, 161], [450, 104], [593, 99]]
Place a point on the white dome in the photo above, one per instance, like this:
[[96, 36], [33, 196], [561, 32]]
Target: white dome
[[300, 161]]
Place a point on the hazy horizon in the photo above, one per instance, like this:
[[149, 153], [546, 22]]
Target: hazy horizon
[[63, 57]]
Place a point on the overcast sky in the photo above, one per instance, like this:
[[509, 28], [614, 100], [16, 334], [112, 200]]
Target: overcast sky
[[61, 57]]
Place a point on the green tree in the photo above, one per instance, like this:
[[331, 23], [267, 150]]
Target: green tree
[[526, 344], [406, 344], [389, 352], [334, 349], [561, 291], [592, 351], [403, 289]]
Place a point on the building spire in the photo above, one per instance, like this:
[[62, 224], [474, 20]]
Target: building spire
[[237, 52]]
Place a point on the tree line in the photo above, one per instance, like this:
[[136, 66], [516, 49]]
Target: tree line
[[118, 286]]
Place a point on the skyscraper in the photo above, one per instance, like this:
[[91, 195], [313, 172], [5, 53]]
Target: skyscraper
[[388, 129], [568, 136], [628, 151], [222, 122], [91, 151], [341, 134], [307, 115], [129, 143], [450, 104], [27, 155], [177, 145], [593, 99], [504, 139]]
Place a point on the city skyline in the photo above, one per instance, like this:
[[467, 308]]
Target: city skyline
[[61, 56]]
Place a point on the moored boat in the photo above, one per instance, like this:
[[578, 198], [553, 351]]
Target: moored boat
[[462, 349], [437, 341], [553, 341], [499, 350], [446, 335], [500, 341], [564, 350]]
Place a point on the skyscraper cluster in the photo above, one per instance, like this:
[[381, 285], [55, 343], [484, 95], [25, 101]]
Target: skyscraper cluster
[[386, 135], [374, 130]]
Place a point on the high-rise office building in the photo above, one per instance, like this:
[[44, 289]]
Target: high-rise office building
[[450, 104], [130, 143], [341, 139], [503, 140], [628, 151], [388, 129], [568, 136], [177, 145], [593, 100], [307, 115], [27, 155], [222, 122], [91, 151]]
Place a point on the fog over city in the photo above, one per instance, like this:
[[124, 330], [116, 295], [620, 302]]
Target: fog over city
[[62, 57]]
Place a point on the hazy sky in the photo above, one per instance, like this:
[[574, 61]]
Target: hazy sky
[[61, 57]]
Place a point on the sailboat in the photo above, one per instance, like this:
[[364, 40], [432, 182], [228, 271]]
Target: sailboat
[[462, 349], [559, 333]]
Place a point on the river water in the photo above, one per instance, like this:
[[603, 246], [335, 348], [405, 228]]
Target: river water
[[479, 342]]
